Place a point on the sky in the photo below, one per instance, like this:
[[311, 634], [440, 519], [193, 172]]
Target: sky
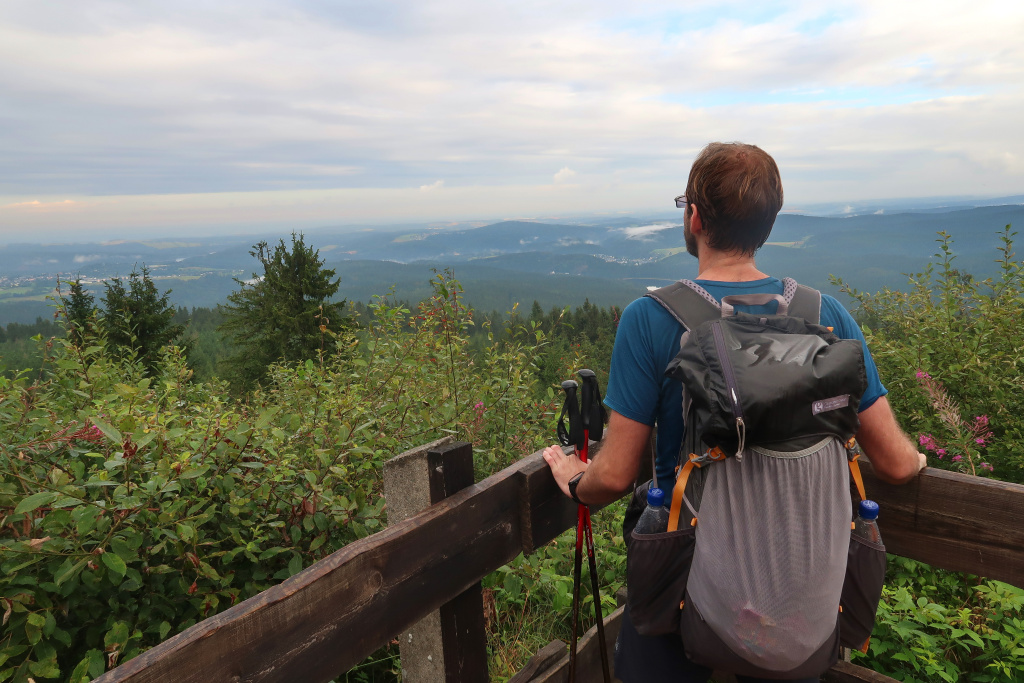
[[156, 118]]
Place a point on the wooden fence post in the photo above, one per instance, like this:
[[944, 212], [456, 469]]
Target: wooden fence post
[[449, 645]]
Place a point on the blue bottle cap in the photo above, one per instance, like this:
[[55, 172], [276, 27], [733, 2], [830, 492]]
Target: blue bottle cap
[[656, 497], [868, 509]]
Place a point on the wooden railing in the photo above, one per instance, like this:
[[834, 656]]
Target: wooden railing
[[329, 617]]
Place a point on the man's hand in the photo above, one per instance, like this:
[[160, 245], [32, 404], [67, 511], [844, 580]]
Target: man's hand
[[563, 468]]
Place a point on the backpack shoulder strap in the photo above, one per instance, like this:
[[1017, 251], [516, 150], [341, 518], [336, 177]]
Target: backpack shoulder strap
[[688, 302], [806, 303]]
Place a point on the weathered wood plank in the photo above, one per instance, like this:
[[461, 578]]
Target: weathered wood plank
[[588, 656], [463, 635], [954, 521], [545, 658], [845, 672]]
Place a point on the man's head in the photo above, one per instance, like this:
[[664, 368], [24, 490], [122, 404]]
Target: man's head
[[738, 193]]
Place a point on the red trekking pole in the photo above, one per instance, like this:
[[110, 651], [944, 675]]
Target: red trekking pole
[[592, 413], [581, 425]]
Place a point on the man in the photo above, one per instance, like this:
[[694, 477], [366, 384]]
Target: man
[[733, 195]]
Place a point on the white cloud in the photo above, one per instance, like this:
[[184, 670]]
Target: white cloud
[[565, 174], [433, 186], [856, 99]]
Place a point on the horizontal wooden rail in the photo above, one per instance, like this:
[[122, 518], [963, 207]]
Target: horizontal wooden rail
[[954, 521], [329, 617]]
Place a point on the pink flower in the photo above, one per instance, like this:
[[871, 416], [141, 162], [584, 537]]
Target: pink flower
[[986, 466], [941, 452], [921, 374], [927, 441], [981, 421], [957, 458], [980, 441]]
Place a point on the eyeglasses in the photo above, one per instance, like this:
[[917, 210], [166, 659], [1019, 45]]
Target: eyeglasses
[[681, 201]]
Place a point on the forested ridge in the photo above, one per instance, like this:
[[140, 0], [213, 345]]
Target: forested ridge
[[146, 482]]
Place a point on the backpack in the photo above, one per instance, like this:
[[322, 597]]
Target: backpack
[[758, 571]]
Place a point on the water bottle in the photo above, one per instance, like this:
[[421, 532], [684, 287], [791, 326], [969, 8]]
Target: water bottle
[[654, 519], [865, 527]]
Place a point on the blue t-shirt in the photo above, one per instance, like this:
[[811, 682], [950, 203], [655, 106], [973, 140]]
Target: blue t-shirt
[[648, 338]]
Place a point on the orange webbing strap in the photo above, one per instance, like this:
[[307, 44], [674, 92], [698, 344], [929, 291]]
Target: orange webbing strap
[[677, 494], [857, 478], [864, 648]]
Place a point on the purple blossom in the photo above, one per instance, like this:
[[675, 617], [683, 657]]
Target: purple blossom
[[957, 458], [941, 452], [981, 421], [927, 441], [980, 441], [921, 374]]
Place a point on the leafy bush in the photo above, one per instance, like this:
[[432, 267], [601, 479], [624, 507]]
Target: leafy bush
[[951, 352], [935, 625], [135, 503]]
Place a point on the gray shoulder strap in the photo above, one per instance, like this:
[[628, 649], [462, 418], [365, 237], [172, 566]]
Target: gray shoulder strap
[[691, 304], [806, 304], [688, 302]]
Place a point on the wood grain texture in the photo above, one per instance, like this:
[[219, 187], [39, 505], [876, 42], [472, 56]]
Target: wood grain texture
[[463, 634], [588, 656], [844, 672], [954, 521]]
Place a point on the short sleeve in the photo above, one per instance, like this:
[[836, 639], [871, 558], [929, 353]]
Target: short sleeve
[[635, 375]]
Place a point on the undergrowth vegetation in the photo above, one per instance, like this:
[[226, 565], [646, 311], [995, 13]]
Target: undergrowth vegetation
[[134, 502]]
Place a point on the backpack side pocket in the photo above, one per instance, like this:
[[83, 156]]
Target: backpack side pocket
[[862, 589], [657, 569]]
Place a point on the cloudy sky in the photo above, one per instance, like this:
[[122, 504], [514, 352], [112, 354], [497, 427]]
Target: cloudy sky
[[150, 117]]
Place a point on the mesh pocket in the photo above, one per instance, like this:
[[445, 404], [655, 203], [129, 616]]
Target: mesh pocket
[[865, 574], [770, 558], [657, 568]]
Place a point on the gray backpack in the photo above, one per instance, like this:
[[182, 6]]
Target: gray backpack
[[758, 572]]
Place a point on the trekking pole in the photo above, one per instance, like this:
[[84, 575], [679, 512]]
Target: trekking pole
[[573, 436], [592, 412]]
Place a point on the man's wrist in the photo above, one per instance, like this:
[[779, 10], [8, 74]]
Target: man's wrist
[[573, 483]]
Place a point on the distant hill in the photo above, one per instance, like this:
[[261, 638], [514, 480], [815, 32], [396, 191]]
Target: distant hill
[[609, 261]]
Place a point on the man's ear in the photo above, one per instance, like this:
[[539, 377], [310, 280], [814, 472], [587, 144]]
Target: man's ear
[[696, 226]]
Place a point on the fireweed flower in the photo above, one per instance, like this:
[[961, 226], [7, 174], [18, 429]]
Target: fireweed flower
[[921, 374], [957, 458], [928, 441], [986, 466]]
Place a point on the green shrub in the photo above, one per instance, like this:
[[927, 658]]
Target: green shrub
[[134, 502], [951, 352]]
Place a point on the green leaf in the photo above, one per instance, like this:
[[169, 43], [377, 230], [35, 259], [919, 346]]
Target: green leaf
[[121, 547], [114, 563], [266, 417], [108, 430], [34, 501], [164, 629], [295, 565]]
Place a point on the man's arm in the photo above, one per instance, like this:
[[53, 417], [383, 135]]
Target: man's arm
[[612, 473], [893, 456]]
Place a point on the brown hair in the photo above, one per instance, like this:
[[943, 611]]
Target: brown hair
[[738, 192]]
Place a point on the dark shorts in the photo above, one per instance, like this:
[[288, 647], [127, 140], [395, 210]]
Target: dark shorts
[[649, 659]]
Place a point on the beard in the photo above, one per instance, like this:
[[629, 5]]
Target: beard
[[688, 238]]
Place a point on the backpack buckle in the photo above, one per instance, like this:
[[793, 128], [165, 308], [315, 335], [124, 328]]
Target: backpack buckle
[[715, 454]]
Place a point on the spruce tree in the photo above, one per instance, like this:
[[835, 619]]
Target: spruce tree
[[80, 309], [282, 314], [138, 319]]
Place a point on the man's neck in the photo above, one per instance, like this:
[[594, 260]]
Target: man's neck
[[727, 267]]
